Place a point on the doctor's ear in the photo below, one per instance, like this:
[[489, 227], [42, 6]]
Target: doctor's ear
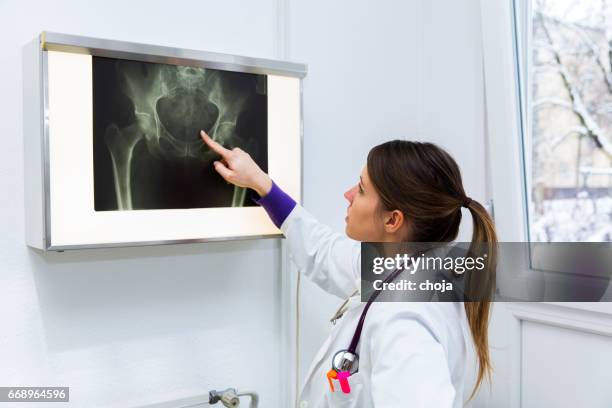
[[394, 220]]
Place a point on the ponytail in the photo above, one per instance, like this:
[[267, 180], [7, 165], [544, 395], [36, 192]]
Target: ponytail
[[482, 287]]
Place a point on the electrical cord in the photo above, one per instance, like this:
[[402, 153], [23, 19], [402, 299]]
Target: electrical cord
[[297, 337]]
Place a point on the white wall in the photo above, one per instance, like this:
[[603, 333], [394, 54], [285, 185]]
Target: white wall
[[124, 327], [129, 326]]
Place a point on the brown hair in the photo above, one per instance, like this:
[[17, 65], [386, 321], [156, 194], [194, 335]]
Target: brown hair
[[424, 182]]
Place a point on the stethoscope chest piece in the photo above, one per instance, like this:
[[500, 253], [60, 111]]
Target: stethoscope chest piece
[[344, 360]]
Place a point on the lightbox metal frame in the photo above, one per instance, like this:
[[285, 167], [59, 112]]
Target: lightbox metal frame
[[51, 41]]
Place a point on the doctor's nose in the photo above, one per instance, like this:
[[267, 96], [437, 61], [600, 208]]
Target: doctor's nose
[[350, 194]]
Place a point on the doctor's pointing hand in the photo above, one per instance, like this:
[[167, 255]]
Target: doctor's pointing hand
[[237, 167], [404, 354]]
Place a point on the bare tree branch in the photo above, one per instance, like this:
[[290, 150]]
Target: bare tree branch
[[607, 32], [578, 130], [593, 48], [554, 102], [594, 132], [575, 24], [538, 69]]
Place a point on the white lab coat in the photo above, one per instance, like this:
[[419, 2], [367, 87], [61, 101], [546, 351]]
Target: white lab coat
[[411, 354]]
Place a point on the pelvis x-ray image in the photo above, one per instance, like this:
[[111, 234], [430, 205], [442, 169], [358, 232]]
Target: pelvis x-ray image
[[148, 153]]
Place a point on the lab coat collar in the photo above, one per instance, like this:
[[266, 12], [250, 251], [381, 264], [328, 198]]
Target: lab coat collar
[[349, 303]]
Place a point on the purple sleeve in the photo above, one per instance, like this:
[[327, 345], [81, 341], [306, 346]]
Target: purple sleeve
[[277, 204]]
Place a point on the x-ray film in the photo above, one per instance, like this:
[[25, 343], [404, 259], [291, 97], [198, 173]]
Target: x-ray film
[[147, 150]]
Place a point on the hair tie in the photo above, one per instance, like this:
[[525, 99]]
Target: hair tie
[[466, 202]]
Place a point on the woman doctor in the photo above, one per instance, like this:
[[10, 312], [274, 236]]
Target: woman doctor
[[411, 354]]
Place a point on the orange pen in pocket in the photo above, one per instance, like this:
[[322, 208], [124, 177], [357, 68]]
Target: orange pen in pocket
[[331, 374]]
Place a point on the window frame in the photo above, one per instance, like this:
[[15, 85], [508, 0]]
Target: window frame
[[503, 128], [506, 28]]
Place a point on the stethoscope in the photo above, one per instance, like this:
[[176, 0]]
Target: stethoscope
[[346, 362]]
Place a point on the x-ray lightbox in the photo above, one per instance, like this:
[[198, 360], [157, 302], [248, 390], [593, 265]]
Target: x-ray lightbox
[[113, 155]]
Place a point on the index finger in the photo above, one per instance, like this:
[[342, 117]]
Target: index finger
[[217, 147]]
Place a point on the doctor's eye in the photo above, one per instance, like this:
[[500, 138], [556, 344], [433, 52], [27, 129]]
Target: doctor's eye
[[360, 189]]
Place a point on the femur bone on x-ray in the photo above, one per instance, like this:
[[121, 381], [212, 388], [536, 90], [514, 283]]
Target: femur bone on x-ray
[[148, 153]]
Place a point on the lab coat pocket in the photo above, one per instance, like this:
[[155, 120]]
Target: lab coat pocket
[[354, 399]]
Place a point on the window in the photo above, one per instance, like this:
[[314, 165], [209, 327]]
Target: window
[[564, 50]]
